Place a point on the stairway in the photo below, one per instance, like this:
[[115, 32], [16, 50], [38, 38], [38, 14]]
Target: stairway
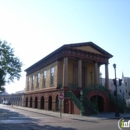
[[76, 101], [86, 107], [89, 105], [121, 102]]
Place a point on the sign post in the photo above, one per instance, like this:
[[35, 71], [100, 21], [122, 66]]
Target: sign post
[[61, 97]]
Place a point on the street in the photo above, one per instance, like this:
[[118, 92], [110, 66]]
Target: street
[[16, 119]]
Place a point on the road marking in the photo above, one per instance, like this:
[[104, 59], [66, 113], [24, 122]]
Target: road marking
[[33, 117], [15, 121], [18, 121]]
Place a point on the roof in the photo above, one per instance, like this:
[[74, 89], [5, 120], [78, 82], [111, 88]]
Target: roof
[[71, 46], [4, 93]]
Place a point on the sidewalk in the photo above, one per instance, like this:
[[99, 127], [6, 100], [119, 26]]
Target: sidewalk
[[101, 116]]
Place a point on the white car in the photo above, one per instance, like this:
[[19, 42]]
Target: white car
[[4, 101]]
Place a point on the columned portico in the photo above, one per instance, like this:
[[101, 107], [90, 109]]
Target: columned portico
[[106, 76], [69, 69], [65, 72], [80, 73]]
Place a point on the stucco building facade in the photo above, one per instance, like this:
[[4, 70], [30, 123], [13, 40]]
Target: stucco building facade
[[71, 69]]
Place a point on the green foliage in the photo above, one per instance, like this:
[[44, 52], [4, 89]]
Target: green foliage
[[10, 65]]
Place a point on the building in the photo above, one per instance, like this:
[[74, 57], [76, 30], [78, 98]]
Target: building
[[123, 90], [74, 70], [15, 99], [3, 95]]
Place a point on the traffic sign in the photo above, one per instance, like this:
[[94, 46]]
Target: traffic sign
[[61, 96]]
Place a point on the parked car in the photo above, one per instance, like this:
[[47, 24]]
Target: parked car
[[7, 102], [4, 101]]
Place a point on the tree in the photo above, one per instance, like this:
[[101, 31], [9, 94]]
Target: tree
[[10, 65]]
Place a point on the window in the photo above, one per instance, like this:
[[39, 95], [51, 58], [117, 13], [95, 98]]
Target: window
[[33, 81], [126, 90], [52, 76], [44, 78], [28, 82], [125, 83], [38, 79]]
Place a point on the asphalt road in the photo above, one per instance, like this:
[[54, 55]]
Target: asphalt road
[[17, 119]]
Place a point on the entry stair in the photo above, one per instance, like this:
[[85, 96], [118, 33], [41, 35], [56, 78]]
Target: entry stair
[[121, 101], [86, 107]]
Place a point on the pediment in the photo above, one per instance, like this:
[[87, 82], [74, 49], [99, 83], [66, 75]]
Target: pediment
[[88, 49]]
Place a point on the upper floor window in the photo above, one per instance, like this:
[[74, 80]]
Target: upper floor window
[[38, 76], [125, 83], [33, 81], [28, 82], [52, 76], [44, 78]]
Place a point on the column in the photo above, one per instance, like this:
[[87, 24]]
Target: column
[[46, 102], [96, 76], [33, 103], [65, 72], [70, 107], [54, 105], [106, 77], [99, 79], [80, 73], [39, 104]]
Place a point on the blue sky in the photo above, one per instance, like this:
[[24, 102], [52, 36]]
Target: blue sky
[[37, 27]]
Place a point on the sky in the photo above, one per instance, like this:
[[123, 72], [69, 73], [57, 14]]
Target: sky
[[35, 28]]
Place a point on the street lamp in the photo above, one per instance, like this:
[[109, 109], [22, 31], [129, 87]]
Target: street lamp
[[81, 96], [123, 94], [117, 112], [81, 99]]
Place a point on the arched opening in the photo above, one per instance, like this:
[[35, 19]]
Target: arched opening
[[26, 101], [57, 103], [42, 102], [98, 102], [50, 103], [36, 102], [31, 102]]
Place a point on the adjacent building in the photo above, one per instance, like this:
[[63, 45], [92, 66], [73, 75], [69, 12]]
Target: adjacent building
[[123, 90], [15, 99]]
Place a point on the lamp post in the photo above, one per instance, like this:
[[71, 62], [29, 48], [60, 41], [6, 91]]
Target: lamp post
[[123, 98], [117, 112], [81, 99], [81, 96]]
